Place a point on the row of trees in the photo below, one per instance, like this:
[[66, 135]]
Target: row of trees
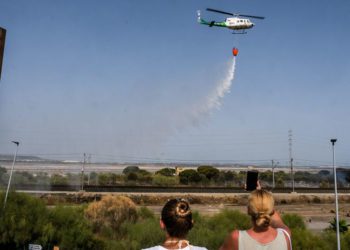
[[201, 176], [115, 222]]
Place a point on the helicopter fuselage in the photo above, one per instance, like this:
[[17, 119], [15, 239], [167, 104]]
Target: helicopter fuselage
[[236, 23]]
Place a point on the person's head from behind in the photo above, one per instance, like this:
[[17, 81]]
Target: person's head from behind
[[176, 218], [261, 208]]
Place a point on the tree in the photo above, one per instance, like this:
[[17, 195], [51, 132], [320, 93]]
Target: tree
[[23, 178], [131, 169], [42, 178], [93, 178], [345, 174], [106, 179], [324, 172], [189, 176], [210, 172], [279, 182], [132, 176], [74, 179], [220, 180], [2, 171], [347, 177], [266, 176], [144, 176], [166, 172], [229, 175], [57, 179]]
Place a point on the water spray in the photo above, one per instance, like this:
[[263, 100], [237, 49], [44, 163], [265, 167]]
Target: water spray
[[223, 87]]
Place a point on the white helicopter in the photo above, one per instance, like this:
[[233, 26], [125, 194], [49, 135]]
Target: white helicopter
[[233, 23]]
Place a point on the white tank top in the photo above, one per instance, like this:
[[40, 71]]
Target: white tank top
[[246, 242], [186, 248]]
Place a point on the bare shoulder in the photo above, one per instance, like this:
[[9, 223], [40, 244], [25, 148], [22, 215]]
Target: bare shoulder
[[231, 241]]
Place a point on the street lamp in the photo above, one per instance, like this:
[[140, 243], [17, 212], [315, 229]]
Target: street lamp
[[336, 194], [13, 165]]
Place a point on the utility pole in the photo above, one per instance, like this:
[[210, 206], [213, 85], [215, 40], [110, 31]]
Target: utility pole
[[82, 173], [336, 194], [290, 135]]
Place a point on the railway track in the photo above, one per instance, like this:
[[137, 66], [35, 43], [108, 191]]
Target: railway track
[[157, 189]]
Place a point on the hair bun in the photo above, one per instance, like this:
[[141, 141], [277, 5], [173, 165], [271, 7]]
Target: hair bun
[[182, 209], [263, 220]]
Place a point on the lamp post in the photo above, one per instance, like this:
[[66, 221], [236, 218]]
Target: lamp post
[[13, 165], [336, 194]]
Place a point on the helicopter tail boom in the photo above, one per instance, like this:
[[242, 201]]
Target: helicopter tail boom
[[211, 23]]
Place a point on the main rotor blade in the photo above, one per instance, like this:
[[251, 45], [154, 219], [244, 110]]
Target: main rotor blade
[[257, 17], [219, 11]]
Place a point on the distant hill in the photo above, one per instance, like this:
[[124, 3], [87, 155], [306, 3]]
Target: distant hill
[[24, 158]]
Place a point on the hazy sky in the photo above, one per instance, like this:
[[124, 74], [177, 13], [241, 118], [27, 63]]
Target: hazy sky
[[123, 81]]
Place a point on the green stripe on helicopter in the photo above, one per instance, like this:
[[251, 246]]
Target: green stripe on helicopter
[[213, 23]]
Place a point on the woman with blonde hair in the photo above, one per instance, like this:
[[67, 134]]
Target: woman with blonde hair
[[268, 231]]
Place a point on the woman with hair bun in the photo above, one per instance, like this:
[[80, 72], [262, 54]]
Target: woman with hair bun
[[176, 221], [268, 231]]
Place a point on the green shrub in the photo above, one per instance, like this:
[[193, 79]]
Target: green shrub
[[26, 220], [57, 179], [166, 172], [345, 240], [68, 229], [209, 171], [303, 239], [131, 169], [189, 176], [22, 221], [142, 234], [212, 231], [131, 176], [343, 225], [164, 181], [145, 213], [111, 212], [293, 221]]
